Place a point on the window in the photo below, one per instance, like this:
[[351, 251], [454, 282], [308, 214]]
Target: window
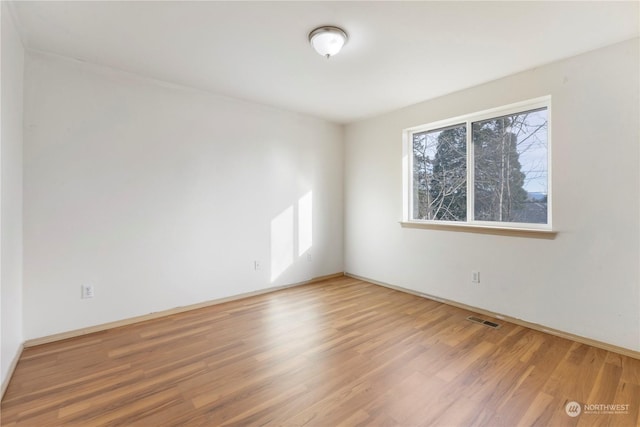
[[485, 169], [440, 174]]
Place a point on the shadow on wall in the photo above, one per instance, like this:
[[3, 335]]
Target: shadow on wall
[[291, 235]]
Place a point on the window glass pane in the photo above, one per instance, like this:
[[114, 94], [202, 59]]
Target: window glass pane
[[510, 168], [440, 174]]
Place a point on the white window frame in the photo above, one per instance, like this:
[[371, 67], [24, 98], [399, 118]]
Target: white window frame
[[468, 120]]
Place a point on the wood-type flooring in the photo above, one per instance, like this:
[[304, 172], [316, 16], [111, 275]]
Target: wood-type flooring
[[342, 352]]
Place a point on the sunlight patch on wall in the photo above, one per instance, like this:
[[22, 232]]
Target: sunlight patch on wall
[[281, 242], [305, 223], [291, 235]]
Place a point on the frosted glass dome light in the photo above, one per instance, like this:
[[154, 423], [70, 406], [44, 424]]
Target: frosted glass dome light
[[328, 41]]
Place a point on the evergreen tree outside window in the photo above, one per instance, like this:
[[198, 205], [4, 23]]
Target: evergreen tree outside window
[[440, 174], [489, 168], [510, 168]]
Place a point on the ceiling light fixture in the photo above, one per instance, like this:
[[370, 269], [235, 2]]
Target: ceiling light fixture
[[327, 40]]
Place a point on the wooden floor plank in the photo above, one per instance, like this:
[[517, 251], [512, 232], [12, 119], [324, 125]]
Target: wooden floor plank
[[337, 353]]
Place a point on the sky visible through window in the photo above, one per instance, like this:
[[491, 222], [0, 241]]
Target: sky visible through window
[[509, 166], [532, 150]]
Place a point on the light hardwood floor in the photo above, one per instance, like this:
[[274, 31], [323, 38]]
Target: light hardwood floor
[[340, 352]]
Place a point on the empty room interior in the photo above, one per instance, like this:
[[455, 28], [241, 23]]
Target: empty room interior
[[320, 213]]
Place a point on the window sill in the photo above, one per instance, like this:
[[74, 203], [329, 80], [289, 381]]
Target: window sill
[[483, 229]]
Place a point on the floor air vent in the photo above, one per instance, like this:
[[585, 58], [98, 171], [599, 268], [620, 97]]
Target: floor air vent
[[483, 322]]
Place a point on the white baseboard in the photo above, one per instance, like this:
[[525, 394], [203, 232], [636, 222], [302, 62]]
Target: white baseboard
[[163, 313], [541, 328]]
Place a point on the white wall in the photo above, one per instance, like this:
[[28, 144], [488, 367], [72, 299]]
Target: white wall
[[11, 193], [587, 280], [162, 196]]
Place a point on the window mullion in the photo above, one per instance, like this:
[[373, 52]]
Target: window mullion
[[470, 175]]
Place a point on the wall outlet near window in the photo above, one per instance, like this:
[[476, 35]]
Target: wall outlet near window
[[87, 291], [475, 277]]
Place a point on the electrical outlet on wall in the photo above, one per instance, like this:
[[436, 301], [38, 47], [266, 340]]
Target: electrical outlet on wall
[[475, 277], [256, 265], [87, 291]]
